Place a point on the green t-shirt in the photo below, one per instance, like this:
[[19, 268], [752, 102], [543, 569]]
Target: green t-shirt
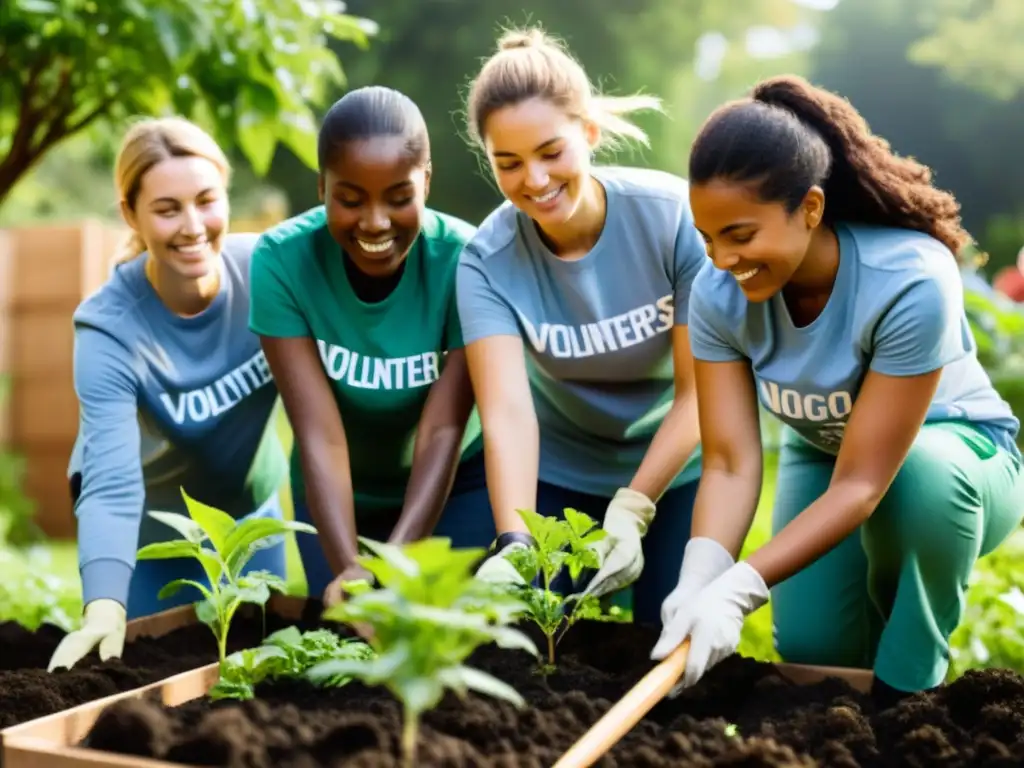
[[380, 358]]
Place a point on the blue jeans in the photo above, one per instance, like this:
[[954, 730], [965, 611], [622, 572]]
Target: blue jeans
[[663, 545], [150, 576], [466, 519]]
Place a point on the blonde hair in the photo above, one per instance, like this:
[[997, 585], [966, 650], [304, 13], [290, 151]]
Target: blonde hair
[[149, 142], [528, 64]]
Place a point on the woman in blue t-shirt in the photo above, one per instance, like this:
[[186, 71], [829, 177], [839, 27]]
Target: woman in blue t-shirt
[[834, 299]]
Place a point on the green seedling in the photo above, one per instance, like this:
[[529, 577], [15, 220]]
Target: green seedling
[[223, 546], [425, 619], [287, 653], [567, 543]]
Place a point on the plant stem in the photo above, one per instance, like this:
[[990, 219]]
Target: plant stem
[[551, 649], [410, 726]]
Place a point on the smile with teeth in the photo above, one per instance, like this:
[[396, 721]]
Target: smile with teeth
[[376, 247], [547, 197], [194, 248], [744, 276]]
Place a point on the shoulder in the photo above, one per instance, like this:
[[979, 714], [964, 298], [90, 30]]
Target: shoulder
[[117, 299], [445, 235], [716, 295], [295, 234], [238, 248], [894, 262], [496, 235], [645, 184]]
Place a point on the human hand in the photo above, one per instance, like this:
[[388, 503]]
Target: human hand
[[620, 553], [497, 569], [103, 624], [335, 591], [713, 621], [704, 560]]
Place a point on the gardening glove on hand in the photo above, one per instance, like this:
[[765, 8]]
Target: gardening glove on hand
[[704, 560], [712, 620], [103, 624], [621, 552], [496, 569]]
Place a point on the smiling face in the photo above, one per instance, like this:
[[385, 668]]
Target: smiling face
[[375, 191], [540, 156], [181, 214], [761, 244]]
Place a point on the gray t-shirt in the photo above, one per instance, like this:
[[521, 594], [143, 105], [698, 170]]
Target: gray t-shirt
[[597, 329], [167, 402]]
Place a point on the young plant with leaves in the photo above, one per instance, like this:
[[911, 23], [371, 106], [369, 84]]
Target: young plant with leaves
[[425, 619], [567, 543], [287, 653], [223, 546]]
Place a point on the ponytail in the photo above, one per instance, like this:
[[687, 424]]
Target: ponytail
[[790, 136]]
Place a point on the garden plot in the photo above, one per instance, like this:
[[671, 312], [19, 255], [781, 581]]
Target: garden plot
[[451, 675]]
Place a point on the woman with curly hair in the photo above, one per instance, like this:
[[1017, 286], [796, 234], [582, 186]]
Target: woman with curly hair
[[834, 299]]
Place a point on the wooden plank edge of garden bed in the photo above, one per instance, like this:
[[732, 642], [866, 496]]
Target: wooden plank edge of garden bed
[[49, 742], [22, 742]]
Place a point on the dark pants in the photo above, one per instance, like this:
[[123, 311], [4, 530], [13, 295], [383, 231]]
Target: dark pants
[[466, 519], [663, 545]]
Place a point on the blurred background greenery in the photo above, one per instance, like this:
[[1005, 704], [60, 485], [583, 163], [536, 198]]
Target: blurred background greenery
[[940, 79]]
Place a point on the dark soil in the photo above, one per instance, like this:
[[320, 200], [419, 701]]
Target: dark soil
[[28, 691], [977, 721]]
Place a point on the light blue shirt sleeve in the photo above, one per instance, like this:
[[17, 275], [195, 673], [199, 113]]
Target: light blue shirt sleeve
[[921, 331], [708, 339], [690, 255], [482, 312], [109, 509]]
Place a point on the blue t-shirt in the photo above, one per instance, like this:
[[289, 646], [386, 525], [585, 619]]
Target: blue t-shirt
[[167, 402], [896, 307], [597, 330]]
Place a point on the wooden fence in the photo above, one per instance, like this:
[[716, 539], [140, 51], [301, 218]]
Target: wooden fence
[[45, 272]]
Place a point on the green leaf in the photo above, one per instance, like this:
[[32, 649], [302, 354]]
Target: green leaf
[[419, 693], [462, 677], [189, 529], [215, 523], [256, 125], [173, 587], [579, 523], [167, 550], [206, 612], [238, 547]]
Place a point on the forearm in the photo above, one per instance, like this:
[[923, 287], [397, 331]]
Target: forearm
[[725, 506], [328, 479], [435, 462], [670, 449], [831, 518], [512, 457]]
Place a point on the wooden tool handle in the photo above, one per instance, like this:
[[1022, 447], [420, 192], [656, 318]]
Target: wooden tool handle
[[640, 699]]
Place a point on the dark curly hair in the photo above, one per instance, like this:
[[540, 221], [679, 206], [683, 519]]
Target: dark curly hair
[[789, 135]]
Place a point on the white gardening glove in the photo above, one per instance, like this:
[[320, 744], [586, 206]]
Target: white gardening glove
[[103, 624], [704, 560], [621, 554], [713, 621], [496, 569]]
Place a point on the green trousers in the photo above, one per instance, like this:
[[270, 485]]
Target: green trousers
[[890, 595]]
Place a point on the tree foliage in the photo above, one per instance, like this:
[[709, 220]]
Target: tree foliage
[[248, 70], [979, 43]]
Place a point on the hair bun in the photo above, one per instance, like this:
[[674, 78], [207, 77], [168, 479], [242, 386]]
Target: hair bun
[[522, 38]]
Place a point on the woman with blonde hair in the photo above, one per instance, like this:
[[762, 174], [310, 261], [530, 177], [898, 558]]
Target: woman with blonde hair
[[588, 269], [173, 389]]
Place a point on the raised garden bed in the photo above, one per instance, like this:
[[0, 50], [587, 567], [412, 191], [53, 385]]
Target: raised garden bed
[[156, 648], [742, 713]]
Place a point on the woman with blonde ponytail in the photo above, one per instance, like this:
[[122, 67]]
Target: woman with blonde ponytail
[[174, 392], [591, 267]]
